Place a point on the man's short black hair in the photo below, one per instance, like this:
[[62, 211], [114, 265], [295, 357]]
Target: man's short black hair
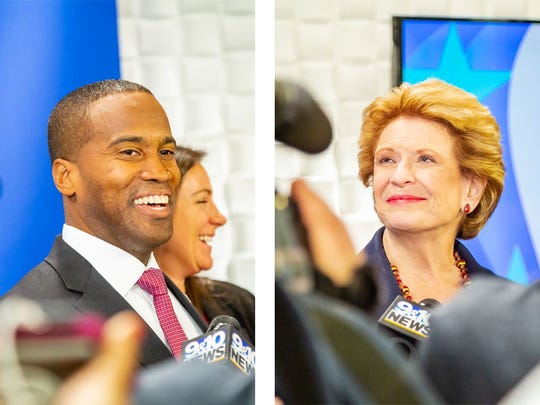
[[66, 132]]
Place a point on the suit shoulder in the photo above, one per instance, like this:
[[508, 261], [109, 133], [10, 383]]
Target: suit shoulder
[[40, 282]]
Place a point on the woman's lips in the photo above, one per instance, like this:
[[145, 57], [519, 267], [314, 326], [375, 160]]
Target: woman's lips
[[404, 198]]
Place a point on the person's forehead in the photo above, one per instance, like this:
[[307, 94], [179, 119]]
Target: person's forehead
[[124, 112], [196, 180], [415, 128], [125, 100]]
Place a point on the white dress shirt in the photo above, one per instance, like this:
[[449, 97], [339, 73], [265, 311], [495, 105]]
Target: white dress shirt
[[122, 271]]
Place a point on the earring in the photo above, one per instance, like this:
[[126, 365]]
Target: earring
[[467, 208]]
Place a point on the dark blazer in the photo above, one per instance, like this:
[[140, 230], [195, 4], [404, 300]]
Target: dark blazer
[[223, 298], [66, 276], [379, 284], [388, 286]]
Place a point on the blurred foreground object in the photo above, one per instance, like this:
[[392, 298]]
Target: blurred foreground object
[[299, 121], [41, 346], [108, 378]]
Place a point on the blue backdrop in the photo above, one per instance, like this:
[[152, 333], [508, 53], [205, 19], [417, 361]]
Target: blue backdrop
[[47, 48], [498, 62]]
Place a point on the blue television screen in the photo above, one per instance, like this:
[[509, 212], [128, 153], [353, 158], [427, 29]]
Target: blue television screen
[[498, 61]]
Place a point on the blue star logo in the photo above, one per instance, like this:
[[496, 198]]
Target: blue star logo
[[454, 68]]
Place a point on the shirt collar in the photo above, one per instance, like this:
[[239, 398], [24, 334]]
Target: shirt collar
[[118, 267]]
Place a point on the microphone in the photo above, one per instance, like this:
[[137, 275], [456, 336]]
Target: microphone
[[223, 341], [299, 121], [408, 317], [409, 322]]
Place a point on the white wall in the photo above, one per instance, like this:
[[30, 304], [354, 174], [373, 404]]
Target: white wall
[[198, 58], [341, 50]]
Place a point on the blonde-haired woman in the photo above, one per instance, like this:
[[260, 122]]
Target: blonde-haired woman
[[433, 156]]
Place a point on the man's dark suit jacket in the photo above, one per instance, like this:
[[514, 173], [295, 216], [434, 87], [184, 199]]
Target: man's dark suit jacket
[[65, 276]]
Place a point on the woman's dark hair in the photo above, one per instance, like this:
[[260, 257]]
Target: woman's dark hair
[[187, 157]]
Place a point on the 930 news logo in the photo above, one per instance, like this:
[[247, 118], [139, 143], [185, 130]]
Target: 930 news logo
[[223, 344], [407, 317]]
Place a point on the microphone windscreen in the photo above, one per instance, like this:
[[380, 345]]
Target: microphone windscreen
[[299, 120], [221, 320], [223, 341]]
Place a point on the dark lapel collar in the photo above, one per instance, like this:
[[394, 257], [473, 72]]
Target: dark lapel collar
[[97, 295]]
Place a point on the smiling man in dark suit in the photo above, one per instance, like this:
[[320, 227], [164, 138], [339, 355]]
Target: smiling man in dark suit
[[112, 155]]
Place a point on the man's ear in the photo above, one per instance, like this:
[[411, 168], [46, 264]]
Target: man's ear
[[65, 174]]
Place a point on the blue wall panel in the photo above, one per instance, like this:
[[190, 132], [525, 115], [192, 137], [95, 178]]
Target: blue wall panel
[[47, 48]]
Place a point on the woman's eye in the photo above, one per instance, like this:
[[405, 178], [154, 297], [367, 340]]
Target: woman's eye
[[202, 201], [427, 159], [385, 159]]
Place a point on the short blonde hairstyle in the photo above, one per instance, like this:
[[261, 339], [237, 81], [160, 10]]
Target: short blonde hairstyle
[[478, 140]]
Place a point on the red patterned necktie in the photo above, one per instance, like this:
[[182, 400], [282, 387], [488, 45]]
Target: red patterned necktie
[[153, 282]]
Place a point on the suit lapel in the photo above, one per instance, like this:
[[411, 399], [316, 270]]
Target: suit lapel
[[97, 295], [101, 296]]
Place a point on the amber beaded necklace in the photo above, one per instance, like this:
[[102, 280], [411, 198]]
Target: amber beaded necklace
[[460, 264]]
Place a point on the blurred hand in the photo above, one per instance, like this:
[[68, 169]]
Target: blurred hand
[[107, 378], [278, 401], [330, 244]]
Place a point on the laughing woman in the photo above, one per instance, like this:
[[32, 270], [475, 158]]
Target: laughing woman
[[196, 219]]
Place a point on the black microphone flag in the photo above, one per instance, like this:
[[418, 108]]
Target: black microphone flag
[[221, 342]]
